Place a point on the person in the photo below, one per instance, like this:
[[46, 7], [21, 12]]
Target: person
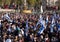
[[28, 28], [9, 39]]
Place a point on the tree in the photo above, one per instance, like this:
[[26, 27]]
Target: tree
[[37, 5], [19, 2], [7, 2], [0, 2], [3, 1], [31, 2], [12, 1]]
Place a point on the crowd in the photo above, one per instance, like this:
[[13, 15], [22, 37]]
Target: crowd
[[16, 27], [12, 6]]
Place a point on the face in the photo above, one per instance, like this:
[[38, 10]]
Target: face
[[31, 36], [55, 28], [35, 38], [14, 27], [41, 36]]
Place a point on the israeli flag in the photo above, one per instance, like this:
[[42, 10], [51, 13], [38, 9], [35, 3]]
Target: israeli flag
[[47, 20], [26, 29], [58, 27], [40, 20], [53, 22], [27, 25], [38, 23], [52, 25], [6, 16], [41, 29], [42, 23], [54, 14], [51, 28], [58, 17]]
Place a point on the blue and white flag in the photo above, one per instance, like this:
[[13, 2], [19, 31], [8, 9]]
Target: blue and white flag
[[41, 29], [51, 28], [52, 25], [6, 16], [53, 22], [38, 23], [58, 27], [40, 20], [47, 20], [27, 25], [26, 29], [42, 23]]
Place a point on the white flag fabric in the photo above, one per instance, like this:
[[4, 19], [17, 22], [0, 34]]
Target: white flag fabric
[[53, 22], [43, 26], [47, 18], [6, 16], [41, 9]]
